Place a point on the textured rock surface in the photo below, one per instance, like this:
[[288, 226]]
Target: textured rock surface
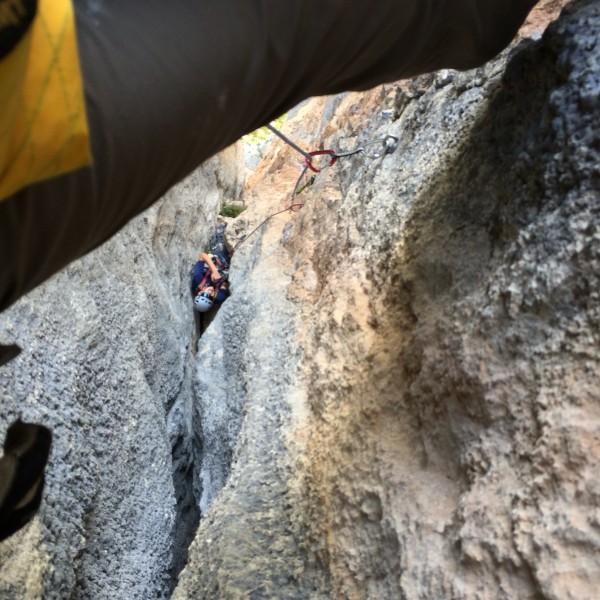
[[400, 399], [418, 403], [107, 365]]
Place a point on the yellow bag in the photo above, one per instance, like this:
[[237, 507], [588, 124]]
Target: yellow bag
[[43, 126]]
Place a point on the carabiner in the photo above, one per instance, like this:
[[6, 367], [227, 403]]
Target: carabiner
[[320, 153]]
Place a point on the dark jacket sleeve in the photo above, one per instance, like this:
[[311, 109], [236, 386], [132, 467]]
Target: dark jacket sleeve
[[169, 84], [222, 295]]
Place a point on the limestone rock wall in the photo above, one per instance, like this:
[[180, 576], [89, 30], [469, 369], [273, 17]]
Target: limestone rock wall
[[412, 359], [399, 400], [107, 365]]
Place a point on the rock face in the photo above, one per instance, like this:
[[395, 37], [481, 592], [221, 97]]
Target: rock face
[[399, 400], [107, 364], [414, 355]]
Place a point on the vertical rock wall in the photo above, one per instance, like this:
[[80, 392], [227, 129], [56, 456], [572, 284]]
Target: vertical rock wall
[[107, 365], [417, 388]]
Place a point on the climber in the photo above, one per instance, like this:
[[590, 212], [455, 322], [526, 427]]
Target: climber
[[137, 95], [209, 282], [210, 274]]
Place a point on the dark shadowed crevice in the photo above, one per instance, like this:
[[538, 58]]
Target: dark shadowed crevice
[[188, 515]]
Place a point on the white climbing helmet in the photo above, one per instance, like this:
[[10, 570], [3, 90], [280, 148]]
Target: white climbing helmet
[[203, 302]]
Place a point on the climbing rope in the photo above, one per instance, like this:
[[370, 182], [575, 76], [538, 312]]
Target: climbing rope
[[390, 143], [289, 208], [307, 155]]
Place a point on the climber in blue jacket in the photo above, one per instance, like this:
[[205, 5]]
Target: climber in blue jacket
[[209, 282]]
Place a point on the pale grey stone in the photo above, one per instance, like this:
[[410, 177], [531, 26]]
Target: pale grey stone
[[399, 400]]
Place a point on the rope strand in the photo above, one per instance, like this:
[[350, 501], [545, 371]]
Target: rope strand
[[390, 143]]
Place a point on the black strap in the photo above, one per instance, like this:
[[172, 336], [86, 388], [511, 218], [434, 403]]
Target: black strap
[[16, 18], [26, 451]]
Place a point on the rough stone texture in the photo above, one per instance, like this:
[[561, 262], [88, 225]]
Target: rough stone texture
[[418, 418], [246, 393], [107, 365], [400, 399], [22, 572]]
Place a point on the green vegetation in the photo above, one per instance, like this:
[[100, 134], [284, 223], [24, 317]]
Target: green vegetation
[[260, 135], [232, 210]]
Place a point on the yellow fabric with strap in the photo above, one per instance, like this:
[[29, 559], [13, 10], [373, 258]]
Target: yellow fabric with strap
[[43, 126]]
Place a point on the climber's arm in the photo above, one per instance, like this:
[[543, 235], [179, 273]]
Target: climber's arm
[[213, 269], [167, 85]]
